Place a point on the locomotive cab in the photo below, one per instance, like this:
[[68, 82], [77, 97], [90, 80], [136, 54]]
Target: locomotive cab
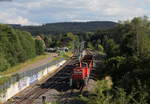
[[80, 75]]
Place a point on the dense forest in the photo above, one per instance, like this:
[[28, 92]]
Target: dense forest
[[65, 27], [127, 63], [17, 46]]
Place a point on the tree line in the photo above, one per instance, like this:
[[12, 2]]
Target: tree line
[[17, 46], [65, 27], [68, 40]]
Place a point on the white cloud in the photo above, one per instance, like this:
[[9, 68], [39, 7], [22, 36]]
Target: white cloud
[[10, 17], [114, 7], [20, 20], [28, 10], [99, 7]]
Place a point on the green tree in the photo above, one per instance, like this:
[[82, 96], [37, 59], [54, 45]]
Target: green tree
[[16, 46], [3, 63], [112, 49], [40, 46], [48, 41]]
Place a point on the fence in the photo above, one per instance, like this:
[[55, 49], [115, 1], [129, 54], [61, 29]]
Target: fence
[[33, 74]]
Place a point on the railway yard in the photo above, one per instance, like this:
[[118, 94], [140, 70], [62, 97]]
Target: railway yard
[[55, 88], [74, 52]]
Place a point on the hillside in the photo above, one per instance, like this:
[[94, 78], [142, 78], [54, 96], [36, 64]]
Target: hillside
[[17, 46], [64, 27]]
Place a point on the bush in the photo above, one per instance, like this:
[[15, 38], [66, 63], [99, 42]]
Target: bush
[[105, 95]]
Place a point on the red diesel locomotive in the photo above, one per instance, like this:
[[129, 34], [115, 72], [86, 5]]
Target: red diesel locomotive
[[80, 74]]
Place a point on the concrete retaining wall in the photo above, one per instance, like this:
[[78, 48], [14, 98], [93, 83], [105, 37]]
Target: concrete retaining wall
[[27, 81]]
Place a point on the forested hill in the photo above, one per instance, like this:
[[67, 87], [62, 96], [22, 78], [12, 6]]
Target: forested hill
[[17, 46], [65, 27]]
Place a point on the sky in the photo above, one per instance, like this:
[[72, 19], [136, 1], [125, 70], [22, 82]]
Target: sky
[[37, 12]]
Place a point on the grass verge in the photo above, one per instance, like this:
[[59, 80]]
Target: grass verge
[[21, 65], [6, 74]]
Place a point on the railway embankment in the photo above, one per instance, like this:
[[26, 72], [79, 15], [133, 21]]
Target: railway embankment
[[22, 80]]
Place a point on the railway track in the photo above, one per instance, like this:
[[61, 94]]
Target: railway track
[[59, 80]]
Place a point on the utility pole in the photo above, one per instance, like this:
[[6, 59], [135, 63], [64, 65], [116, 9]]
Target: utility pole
[[82, 46]]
